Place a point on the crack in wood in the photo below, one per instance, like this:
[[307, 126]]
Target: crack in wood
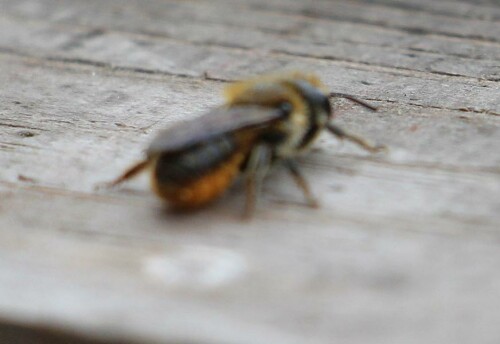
[[78, 40], [471, 110], [21, 126]]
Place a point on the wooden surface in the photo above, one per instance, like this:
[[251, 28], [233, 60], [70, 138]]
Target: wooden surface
[[406, 245]]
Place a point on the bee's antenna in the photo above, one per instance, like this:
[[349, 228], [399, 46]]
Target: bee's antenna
[[353, 99]]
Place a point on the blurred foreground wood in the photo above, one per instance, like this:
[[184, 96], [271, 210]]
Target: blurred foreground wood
[[406, 245]]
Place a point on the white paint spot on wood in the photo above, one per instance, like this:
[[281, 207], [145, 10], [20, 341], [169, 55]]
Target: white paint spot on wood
[[196, 267]]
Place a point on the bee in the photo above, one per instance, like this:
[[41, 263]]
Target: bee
[[266, 121]]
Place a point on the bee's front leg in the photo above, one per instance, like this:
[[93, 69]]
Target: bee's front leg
[[342, 134]]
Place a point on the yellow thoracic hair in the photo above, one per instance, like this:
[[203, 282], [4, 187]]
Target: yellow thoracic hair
[[239, 88], [270, 90]]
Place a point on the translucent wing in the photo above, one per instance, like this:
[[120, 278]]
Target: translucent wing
[[214, 123]]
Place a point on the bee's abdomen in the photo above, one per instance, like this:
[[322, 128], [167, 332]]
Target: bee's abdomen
[[198, 175]]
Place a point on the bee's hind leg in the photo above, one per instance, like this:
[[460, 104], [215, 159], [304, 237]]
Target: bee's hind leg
[[301, 183], [129, 173], [256, 168], [342, 134]]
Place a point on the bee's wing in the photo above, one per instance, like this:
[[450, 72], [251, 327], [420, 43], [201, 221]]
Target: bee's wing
[[216, 122]]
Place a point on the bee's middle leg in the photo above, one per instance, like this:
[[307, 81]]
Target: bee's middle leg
[[301, 183], [256, 168]]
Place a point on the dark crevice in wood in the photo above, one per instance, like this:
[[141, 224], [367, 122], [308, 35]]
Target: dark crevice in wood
[[333, 58], [163, 35], [484, 112], [14, 144], [75, 60], [436, 52], [12, 332], [93, 63], [20, 126], [79, 39]]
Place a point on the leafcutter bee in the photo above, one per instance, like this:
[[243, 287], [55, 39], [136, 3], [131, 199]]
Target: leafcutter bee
[[265, 121]]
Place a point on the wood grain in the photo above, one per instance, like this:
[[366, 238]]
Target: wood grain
[[403, 249]]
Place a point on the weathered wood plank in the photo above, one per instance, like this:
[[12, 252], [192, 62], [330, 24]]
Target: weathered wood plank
[[481, 10], [389, 13], [384, 16], [486, 10], [301, 36], [172, 273], [403, 249], [104, 113], [102, 104], [176, 57]]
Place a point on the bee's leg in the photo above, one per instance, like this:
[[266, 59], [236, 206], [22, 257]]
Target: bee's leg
[[256, 169], [129, 173], [301, 183], [342, 134]]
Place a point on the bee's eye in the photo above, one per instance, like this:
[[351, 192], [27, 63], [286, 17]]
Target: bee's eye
[[286, 107]]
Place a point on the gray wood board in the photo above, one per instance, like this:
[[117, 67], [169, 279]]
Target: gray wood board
[[403, 249], [334, 40]]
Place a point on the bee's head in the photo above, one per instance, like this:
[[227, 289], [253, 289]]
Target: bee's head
[[318, 102]]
